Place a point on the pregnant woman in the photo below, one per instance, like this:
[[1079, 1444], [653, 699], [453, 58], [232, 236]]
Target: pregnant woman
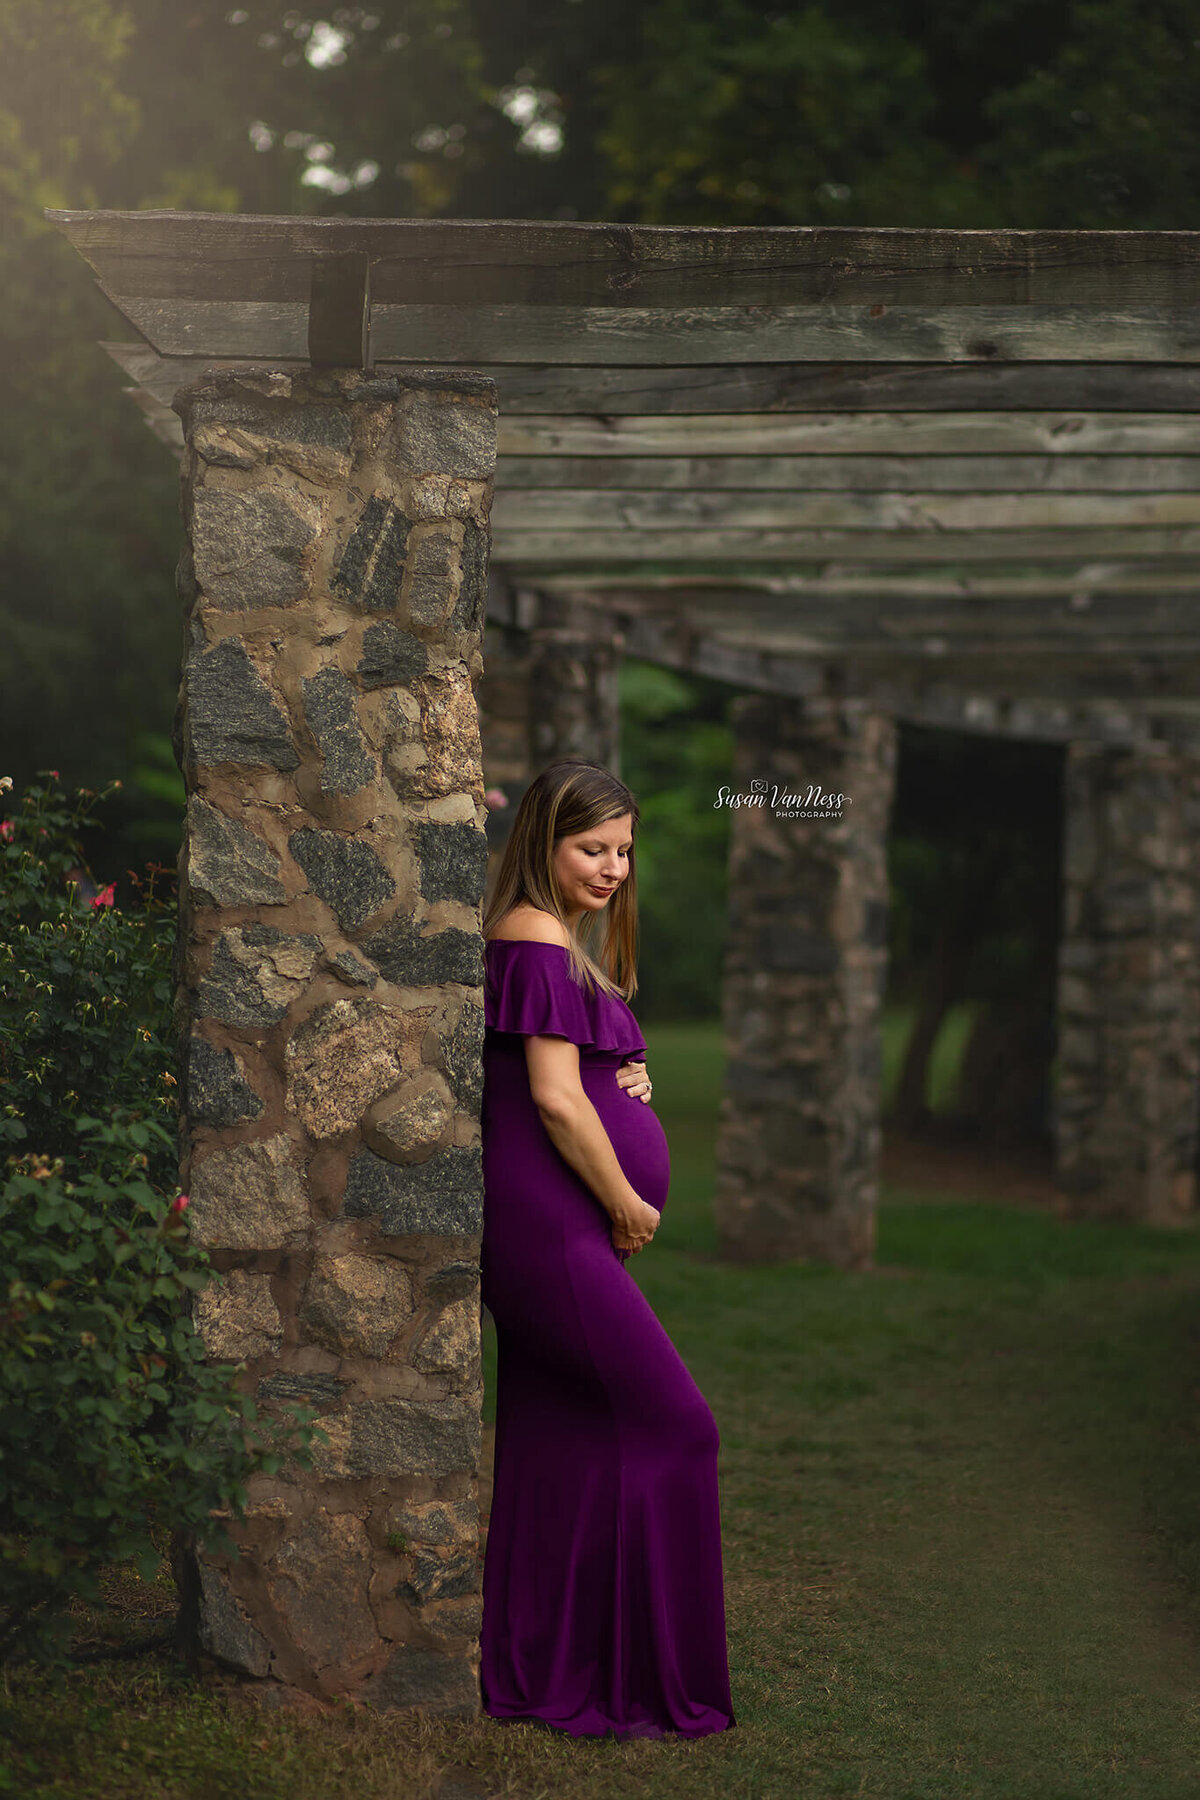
[[603, 1597]]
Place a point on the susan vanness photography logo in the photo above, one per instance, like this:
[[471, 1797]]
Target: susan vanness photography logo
[[813, 803]]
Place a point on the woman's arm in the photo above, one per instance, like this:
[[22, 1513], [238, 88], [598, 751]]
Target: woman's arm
[[575, 1129]]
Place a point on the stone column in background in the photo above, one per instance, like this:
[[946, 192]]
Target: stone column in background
[[574, 702], [547, 692], [503, 695], [805, 966], [330, 960], [1128, 1054]]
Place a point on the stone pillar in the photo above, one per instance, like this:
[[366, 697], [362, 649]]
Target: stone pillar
[[805, 965], [549, 690], [330, 998], [505, 707], [1128, 1057], [573, 685]]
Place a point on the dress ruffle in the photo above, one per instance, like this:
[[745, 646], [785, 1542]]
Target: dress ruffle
[[529, 988]]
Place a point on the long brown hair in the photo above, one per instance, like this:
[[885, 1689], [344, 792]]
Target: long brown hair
[[568, 798]]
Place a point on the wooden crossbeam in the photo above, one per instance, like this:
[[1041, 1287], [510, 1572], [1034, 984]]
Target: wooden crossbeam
[[858, 434], [547, 264], [727, 551], [650, 513], [853, 474], [781, 387], [581, 336], [621, 590]]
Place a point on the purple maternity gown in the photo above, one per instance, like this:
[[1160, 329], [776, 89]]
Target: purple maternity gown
[[603, 1597]]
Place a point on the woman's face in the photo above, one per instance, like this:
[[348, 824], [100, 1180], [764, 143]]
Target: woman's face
[[591, 865]]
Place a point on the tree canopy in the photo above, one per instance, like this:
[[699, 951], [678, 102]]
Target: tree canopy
[[876, 112]]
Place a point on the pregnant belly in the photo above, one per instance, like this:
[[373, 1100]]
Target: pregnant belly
[[636, 1133]]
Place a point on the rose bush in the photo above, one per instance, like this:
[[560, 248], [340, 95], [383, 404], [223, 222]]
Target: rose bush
[[115, 1433]]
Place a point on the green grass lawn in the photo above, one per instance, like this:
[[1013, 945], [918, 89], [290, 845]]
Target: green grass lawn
[[961, 1504]]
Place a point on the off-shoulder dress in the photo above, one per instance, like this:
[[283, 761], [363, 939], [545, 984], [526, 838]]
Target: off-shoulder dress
[[603, 1595]]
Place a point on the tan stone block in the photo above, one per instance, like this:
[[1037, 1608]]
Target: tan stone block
[[346, 1055], [413, 1121], [450, 733], [237, 1318], [248, 1196], [453, 1340], [355, 1305], [331, 1455], [318, 1583]]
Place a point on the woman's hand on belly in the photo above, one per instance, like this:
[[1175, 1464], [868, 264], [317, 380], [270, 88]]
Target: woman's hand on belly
[[633, 1078], [634, 1226]]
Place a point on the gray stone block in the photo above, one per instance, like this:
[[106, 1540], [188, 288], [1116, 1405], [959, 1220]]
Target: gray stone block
[[249, 547], [786, 951], [353, 970], [442, 1196], [453, 1281], [216, 1092], [435, 1521], [443, 1577], [442, 434], [407, 959], [316, 1390], [462, 1055], [231, 714], [370, 568], [283, 421], [222, 1629], [413, 1437], [332, 716], [471, 606], [390, 656], [436, 570], [227, 864], [256, 974], [343, 872], [443, 1684], [453, 861]]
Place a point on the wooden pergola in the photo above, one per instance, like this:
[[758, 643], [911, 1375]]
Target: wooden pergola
[[864, 476], [964, 460]]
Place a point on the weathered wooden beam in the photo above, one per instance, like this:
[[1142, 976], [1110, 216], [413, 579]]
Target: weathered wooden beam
[[728, 551], [867, 434], [592, 510], [551, 438], [785, 387], [560, 263], [1113, 702], [1027, 697], [916, 621], [339, 311], [622, 589], [855, 474], [578, 335]]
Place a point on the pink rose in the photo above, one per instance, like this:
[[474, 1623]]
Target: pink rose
[[495, 797], [105, 896], [178, 1206], [6, 829]]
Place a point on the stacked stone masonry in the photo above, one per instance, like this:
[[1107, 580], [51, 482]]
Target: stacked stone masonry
[[805, 967], [330, 1005], [1128, 1053]]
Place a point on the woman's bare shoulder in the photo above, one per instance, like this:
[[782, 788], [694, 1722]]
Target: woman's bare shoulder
[[530, 925]]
